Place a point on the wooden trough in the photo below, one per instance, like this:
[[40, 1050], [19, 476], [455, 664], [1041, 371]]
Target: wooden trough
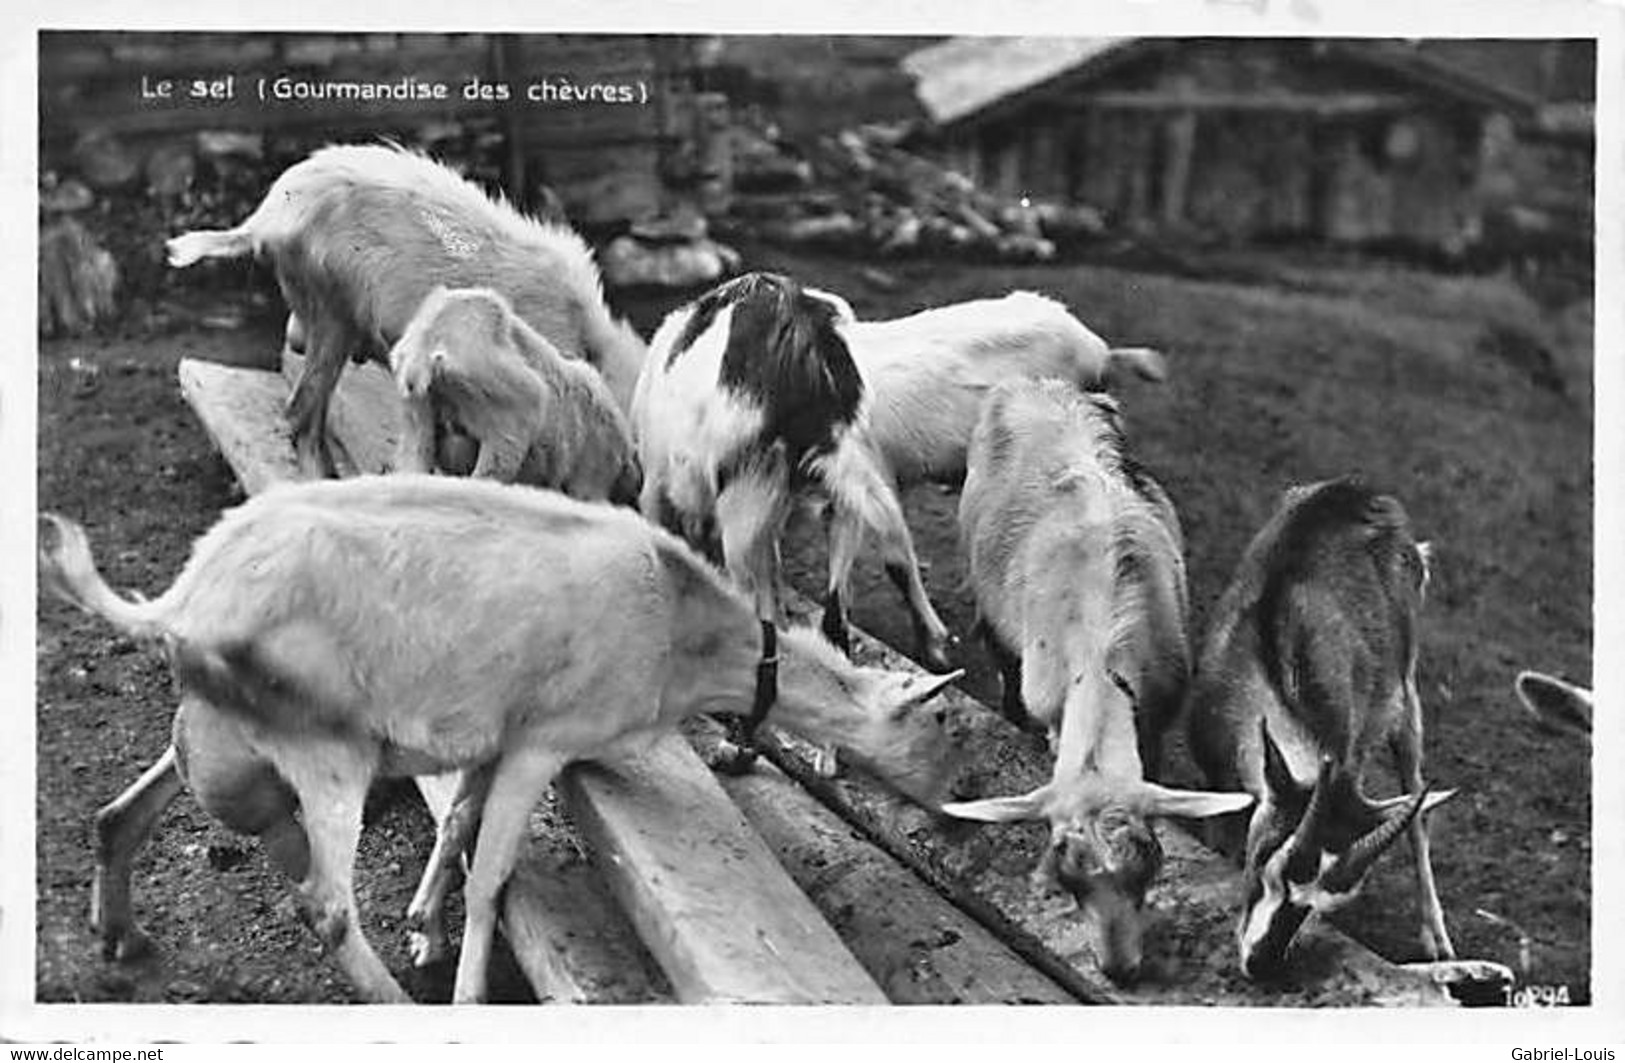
[[751, 890]]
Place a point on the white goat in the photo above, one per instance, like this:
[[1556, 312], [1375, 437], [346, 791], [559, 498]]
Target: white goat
[[360, 234], [1556, 703], [1309, 668], [749, 398], [1075, 560], [929, 374], [326, 633], [467, 363]]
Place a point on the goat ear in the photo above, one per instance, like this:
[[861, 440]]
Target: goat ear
[[1155, 800], [1390, 807], [1277, 776], [1555, 702], [913, 690], [1001, 809]]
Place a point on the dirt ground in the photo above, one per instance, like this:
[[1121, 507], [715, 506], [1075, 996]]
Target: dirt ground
[[1464, 396]]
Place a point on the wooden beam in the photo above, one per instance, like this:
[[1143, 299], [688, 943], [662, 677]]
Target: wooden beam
[[1191, 952], [917, 945], [720, 916], [1291, 102], [718, 912], [572, 945]]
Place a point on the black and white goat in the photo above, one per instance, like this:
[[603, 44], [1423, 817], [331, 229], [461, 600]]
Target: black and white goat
[[326, 633], [1309, 669], [1076, 561], [749, 400], [359, 234]]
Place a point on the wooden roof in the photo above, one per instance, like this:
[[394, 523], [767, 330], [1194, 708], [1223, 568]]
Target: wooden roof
[[978, 80]]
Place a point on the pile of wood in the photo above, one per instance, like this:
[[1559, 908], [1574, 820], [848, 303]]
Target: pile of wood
[[861, 189]]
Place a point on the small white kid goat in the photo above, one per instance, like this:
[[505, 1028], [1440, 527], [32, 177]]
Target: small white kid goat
[[326, 633], [468, 365], [1075, 559]]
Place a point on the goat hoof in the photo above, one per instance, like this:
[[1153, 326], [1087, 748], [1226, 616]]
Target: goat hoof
[[826, 763], [127, 945], [1435, 949], [731, 759], [935, 656], [425, 950]]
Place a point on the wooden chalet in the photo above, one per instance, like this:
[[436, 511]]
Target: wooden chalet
[[1347, 141]]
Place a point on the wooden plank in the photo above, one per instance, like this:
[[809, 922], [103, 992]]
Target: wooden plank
[[720, 916], [726, 923], [572, 945], [986, 870], [912, 941], [241, 411]]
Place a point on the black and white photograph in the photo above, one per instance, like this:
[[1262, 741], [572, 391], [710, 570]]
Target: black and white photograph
[[642, 514]]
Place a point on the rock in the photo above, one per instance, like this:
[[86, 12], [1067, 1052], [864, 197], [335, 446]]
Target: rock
[[876, 277], [104, 161], [222, 143], [627, 263], [905, 236], [170, 170], [1022, 247], [679, 227], [66, 198], [831, 227], [77, 279]]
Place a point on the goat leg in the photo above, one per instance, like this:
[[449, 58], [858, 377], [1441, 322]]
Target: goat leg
[[517, 783], [1407, 750], [121, 826], [330, 779], [312, 393], [425, 917]]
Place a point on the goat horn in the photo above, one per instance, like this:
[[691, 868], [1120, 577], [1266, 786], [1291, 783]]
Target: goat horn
[[1320, 803], [1277, 776], [1347, 872]]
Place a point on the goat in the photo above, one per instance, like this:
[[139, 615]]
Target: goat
[[467, 361], [748, 400], [1309, 667], [1558, 704], [1075, 560], [324, 633], [929, 374], [359, 234], [931, 371]]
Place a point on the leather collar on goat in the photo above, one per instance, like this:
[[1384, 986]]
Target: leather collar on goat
[[742, 729]]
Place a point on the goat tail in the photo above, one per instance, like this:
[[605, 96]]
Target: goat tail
[[855, 477], [188, 248], [1146, 362], [68, 571]]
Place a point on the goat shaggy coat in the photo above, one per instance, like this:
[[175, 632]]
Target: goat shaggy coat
[[1075, 559], [359, 234], [325, 633], [930, 372], [1308, 671], [749, 401]]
